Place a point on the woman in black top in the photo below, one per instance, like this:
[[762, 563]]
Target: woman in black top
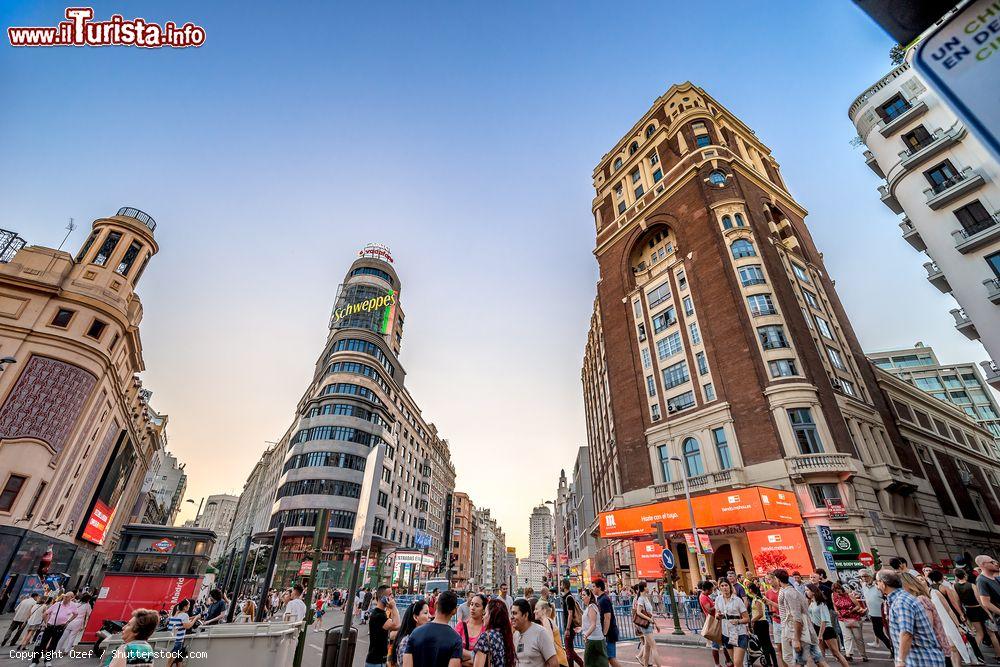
[[974, 611]]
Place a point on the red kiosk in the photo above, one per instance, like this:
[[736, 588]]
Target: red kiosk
[[153, 568]]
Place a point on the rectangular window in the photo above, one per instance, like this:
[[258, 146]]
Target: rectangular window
[[695, 334], [892, 107], [805, 431], [675, 375], [824, 327], [848, 387], [960, 397], [11, 490], [951, 382], [62, 318], [654, 158], [637, 309], [836, 359], [761, 304], [642, 332], [669, 346], [658, 295], [751, 275], [96, 329], [702, 140], [128, 259], [682, 281], [639, 192], [810, 299], [86, 246], [107, 248], [928, 384], [772, 337], [650, 385], [702, 363], [709, 392], [681, 402], [800, 273], [923, 419], [823, 492], [636, 176], [917, 138], [665, 319], [722, 448], [688, 306], [942, 176], [622, 206], [782, 367], [647, 360], [974, 218], [654, 409], [657, 175], [664, 453]]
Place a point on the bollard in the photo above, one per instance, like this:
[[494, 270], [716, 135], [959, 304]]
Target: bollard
[[331, 647]]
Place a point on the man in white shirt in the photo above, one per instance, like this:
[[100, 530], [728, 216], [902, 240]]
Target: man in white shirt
[[21, 614], [535, 647], [295, 610]]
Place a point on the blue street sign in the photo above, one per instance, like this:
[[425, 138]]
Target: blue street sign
[[668, 559], [825, 535], [830, 564]]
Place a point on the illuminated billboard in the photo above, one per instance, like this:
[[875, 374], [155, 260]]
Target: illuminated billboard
[[364, 306]]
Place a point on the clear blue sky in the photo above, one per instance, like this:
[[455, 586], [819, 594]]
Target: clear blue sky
[[464, 137]]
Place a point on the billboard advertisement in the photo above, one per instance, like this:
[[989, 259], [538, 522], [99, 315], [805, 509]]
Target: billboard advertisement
[[97, 523], [116, 478], [781, 547], [364, 306], [647, 559], [728, 508]]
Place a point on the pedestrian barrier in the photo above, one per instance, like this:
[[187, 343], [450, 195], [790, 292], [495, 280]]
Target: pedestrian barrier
[[229, 645]]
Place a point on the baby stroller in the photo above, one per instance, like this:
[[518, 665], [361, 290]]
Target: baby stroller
[[754, 653]]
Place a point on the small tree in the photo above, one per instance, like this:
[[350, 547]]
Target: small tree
[[772, 560], [897, 54]]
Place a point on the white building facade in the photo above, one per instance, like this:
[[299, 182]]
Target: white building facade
[[534, 568], [944, 184], [218, 515]]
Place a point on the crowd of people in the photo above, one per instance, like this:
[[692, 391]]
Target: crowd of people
[[923, 619]]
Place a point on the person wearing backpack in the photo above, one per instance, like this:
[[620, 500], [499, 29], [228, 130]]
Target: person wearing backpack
[[572, 621]]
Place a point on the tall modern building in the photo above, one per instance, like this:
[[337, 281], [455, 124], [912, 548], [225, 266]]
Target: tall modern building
[[535, 567], [959, 384], [946, 186], [719, 351], [76, 435], [357, 400]]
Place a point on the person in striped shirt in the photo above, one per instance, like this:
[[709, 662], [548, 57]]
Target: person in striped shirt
[[179, 623]]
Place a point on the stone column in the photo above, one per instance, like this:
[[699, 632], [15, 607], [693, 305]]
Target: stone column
[[897, 542], [911, 547], [925, 552]]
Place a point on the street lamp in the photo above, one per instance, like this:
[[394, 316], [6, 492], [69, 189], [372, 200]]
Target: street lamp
[[702, 562], [557, 529]]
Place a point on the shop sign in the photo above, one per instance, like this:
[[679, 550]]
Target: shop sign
[[848, 564], [376, 251], [729, 508], [844, 543], [164, 546], [647, 559], [306, 569], [835, 509], [409, 557], [780, 547]]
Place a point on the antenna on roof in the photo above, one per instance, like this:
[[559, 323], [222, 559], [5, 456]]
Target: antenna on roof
[[69, 230]]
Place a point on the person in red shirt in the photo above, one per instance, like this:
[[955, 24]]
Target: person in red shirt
[[432, 601], [708, 609], [771, 600]]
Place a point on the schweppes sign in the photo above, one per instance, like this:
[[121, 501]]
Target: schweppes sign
[[385, 303]]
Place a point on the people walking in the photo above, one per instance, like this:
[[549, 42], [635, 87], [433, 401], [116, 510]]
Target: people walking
[[595, 652], [851, 612], [435, 644], [819, 614], [946, 601], [56, 618], [974, 612], [873, 602], [760, 627], [732, 612], [295, 610], [943, 626], [572, 622], [545, 615], [21, 614], [608, 623], [911, 628], [384, 618], [36, 620], [645, 623], [798, 637], [707, 603], [178, 624], [74, 629]]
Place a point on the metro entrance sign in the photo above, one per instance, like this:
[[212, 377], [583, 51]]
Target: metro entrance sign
[[961, 62]]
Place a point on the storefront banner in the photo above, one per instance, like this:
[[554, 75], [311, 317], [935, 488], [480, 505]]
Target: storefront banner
[[706, 543], [781, 547], [647, 560], [728, 508]]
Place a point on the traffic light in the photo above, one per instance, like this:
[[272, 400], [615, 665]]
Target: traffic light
[[878, 563], [660, 537]]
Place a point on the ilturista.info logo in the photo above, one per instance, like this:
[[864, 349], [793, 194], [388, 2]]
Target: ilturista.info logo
[[79, 29]]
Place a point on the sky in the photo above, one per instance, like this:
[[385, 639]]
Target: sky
[[463, 136]]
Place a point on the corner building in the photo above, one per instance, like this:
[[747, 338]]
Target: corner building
[[720, 350], [355, 401]]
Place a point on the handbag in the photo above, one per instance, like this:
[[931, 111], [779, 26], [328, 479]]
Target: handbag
[[712, 630], [637, 620]]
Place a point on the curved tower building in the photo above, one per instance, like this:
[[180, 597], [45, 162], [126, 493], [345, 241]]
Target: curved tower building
[[355, 401]]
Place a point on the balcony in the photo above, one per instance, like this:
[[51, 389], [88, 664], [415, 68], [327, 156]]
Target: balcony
[[993, 290], [991, 373], [136, 214], [888, 127], [952, 188], [977, 235], [889, 199], [939, 141], [803, 465], [708, 481], [964, 324], [936, 277], [870, 161], [912, 236]]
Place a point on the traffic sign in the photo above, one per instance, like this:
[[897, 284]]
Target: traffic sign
[[825, 535], [668, 559], [830, 563], [866, 559], [955, 59]]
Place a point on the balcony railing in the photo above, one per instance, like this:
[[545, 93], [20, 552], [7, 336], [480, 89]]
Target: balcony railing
[[977, 234], [823, 463], [952, 188], [873, 164], [964, 325], [10, 243], [711, 480], [936, 277], [136, 214], [993, 290], [932, 145], [889, 199], [912, 236]]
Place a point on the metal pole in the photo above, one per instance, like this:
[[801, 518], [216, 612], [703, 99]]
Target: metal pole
[[345, 633], [694, 526], [239, 580], [231, 561], [271, 562], [673, 601], [319, 540], [253, 568]]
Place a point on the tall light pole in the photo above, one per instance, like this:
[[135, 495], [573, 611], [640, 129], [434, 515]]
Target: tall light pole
[[702, 561], [557, 529]]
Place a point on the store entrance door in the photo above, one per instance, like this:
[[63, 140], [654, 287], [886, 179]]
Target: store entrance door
[[722, 561]]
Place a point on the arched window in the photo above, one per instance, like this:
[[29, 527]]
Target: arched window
[[739, 221], [650, 130], [618, 163], [717, 178], [634, 148], [692, 458], [742, 248], [727, 222]]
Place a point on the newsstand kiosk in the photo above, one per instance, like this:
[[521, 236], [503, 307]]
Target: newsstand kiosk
[[153, 568]]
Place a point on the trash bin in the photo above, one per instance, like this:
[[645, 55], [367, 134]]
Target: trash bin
[[331, 647]]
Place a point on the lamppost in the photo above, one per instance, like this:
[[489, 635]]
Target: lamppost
[[557, 529], [702, 562]]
